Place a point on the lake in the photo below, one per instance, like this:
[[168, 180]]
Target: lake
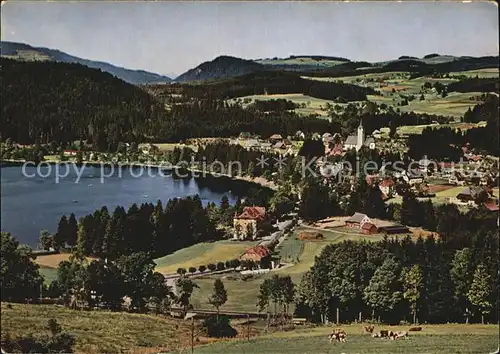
[[31, 204]]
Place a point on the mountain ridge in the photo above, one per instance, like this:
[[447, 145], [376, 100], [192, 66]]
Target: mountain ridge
[[26, 52]]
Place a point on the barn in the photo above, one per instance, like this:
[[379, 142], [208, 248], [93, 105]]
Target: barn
[[369, 228]]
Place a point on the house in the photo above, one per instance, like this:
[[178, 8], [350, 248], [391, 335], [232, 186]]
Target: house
[[357, 220], [424, 164], [300, 135], [491, 205], [469, 194], [247, 223], [245, 135], [369, 228], [256, 254], [394, 229], [358, 140], [275, 138], [70, 152], [446, 167], [376, 134], [414, 177], [387, 187]]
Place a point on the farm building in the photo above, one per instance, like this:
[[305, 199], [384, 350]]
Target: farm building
[[70, 152], [369, 228], [469, 194], [357, 220], [386, 186], [256, 254], [394, 229], [491, 205], [275, 138], [247, 223]]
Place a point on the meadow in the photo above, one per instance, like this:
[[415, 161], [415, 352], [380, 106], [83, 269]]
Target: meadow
[[434, 339], [299, 257], [98, 331], [201, 254], [313, 105]]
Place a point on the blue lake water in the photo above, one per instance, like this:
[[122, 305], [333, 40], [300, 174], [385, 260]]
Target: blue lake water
[[31, 204]]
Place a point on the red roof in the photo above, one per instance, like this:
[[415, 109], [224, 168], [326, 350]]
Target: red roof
[[446, 164], [261, 251], [386, 183], [491, 205], [368, 226], [253, 213]]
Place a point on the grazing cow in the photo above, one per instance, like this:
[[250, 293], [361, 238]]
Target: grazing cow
[[369, 328], [415, 329], [337, 334], [401, 334]]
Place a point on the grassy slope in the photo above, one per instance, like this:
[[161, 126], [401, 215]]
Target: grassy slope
[[201, 254], [437, 339], [314, 105], [455, 104], [242, 295], [96, 331]]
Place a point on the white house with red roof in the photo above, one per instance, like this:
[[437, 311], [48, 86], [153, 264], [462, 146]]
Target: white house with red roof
[[247, 223]]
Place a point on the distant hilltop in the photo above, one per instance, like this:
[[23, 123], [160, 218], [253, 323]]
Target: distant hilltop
[[21, 51]]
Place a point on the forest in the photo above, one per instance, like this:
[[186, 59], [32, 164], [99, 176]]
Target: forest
[[275, 82], [474, 85], [446, 143], [46, 101], [436, 279]]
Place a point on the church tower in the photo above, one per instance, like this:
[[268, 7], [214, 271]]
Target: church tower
[[361, 136]]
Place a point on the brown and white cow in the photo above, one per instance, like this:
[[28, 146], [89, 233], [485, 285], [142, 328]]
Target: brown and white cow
[[338, 334]]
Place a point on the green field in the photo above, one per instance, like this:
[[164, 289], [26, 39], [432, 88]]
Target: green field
[[98, 331], [481, 73], [313, 105], [201, 254], [48, 274], [242, 293], [417, 129], [434, 339], [301, 61]]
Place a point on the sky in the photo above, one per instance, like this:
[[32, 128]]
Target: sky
[[172, 37]]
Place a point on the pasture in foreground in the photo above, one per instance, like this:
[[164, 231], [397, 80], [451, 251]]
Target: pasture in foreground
[[434, 339], [98, 331]]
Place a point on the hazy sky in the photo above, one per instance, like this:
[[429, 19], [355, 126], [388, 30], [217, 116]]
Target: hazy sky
[[171, 37]]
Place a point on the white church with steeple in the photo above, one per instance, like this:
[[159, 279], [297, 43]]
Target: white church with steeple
[[358, 140]]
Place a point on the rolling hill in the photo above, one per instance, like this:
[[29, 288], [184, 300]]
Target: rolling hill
[[25, 52], [220, 67]]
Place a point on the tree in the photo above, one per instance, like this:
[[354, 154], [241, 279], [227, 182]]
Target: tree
[[192, 270], [181, 271], [46, 240], [19, 276], [72, 230], [219, 296], [61, 235], [185, 288], [202, 268], [480, 291], [211, 267], [250, 231], [422, 97], [383, 292], [221, 266], [412, 279], [461, 275]]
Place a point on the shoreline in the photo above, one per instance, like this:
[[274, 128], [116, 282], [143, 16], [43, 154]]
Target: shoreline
[[259, 181]]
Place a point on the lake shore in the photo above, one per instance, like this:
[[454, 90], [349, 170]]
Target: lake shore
[[192, 172]]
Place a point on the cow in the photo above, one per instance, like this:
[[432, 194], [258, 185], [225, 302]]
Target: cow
[[415, 329], [368, 329], [401, 334], [337, 334]]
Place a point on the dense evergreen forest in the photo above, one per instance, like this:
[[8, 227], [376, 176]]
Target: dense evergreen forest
[[446, 143], [474, 85], [275, 82], [46, 101], [450, 278], [221, 119]]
